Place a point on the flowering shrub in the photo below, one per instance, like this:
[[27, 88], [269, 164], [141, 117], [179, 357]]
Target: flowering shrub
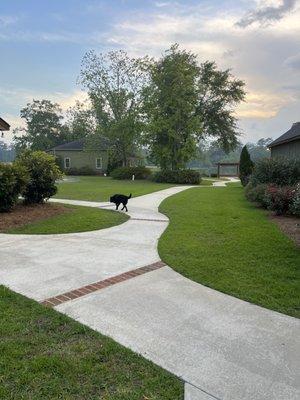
[[280, 198], [295, 206]]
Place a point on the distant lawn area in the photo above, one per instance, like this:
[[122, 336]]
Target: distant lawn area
[[99, 188], [46, 355], [217, 238], [69, 219]]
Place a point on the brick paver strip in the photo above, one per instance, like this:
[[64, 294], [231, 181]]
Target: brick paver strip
[[93, 287]]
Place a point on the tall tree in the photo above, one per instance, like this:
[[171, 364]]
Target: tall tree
[[114, 82], [170, 105], [246, 166], [218, 94], [80, 121], [186, 102], [43, 126]]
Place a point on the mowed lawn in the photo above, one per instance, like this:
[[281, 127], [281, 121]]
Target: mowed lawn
[[46, 355], [74, 219], [217, 238], [99, 188]]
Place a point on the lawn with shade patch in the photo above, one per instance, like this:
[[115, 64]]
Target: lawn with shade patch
[[217, 238], [99, 188], [46, 355]]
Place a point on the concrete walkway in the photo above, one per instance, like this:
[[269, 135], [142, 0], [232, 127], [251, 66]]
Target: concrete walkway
[[222, 347]]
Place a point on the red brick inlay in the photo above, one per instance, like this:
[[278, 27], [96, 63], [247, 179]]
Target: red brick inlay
[[93, 287]]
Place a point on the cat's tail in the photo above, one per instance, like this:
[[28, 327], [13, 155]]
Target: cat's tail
[[129, 197]]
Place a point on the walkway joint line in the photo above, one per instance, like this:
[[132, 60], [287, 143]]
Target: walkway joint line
[[95, 286]]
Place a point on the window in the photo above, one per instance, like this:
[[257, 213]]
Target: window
[[98, 163], [67, 162]]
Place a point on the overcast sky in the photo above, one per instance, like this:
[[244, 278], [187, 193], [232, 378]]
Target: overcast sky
[[42, 43]]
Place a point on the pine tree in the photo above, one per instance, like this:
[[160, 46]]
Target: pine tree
[[246, 166]]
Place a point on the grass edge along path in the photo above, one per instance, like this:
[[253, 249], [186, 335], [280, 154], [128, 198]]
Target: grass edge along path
[[47, 355], [79, 219], [219, 239]]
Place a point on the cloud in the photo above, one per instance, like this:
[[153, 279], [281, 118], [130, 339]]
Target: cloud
[[6, 20], [267, 14], [293, 62]]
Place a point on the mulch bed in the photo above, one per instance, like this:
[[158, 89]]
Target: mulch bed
[[26, 214], [289, 225]]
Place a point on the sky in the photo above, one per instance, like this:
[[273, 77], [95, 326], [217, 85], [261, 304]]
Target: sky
[[42, 43]]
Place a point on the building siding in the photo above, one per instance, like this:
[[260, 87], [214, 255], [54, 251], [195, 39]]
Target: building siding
[[79, 159], [288, 150]]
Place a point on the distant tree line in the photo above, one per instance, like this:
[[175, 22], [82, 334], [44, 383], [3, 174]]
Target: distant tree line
[[7, 152]]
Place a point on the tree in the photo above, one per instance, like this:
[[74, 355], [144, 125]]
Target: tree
[[186, 102], [246, 166], [170, 104], [259, 149], [115, 82], [218, 93], [81, 121], [43, 128]]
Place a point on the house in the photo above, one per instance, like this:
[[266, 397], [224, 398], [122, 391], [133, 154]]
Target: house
[[288, 144], [74, 156], [4, 126]]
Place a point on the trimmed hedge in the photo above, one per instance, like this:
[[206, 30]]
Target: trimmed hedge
[[127, 172], [43, 172], [185, 176], [83, 171], [257, 194], [276, 171], [13, 180]]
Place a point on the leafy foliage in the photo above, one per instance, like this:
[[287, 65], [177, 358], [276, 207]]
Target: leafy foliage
[[183, 176], [257, 194], [128, 172], [114, 82], [246, 166], [276, 171], [43, 172], [279, 199], [295, 206], [82, 171], [13, 179]]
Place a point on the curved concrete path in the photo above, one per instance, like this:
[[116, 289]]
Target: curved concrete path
[[222, 347]]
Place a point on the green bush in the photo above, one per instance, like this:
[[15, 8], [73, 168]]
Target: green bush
[[246, 166], [43, 172], [13, 180], [185, 176], [280, 172], [295, 206], [280, 198], [81, 171], [257, 194], [127, 172]]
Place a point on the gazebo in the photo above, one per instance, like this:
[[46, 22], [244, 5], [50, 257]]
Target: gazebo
[[4, 126], [228, 164]]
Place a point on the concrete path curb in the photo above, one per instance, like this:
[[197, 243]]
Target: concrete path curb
[[224, 348]]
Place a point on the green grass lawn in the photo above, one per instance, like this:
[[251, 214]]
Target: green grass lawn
[[99, 188], [217, 238], [46, 355], [79, 219]]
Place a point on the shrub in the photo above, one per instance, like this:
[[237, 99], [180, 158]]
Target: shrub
[[13, 179], [185, 176], [280, 198], [81, 171], [43, 173], [246, 166], [257, 194], [127, 172], [295, 206], [280, 172]]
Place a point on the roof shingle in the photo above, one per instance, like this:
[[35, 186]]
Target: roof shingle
[[292, 134]]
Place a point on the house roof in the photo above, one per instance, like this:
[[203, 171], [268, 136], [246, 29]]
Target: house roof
[[78, 145], [4, 126], [290, 135]]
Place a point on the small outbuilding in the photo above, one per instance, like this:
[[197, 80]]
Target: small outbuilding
[[288, 144], [75, 157]]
